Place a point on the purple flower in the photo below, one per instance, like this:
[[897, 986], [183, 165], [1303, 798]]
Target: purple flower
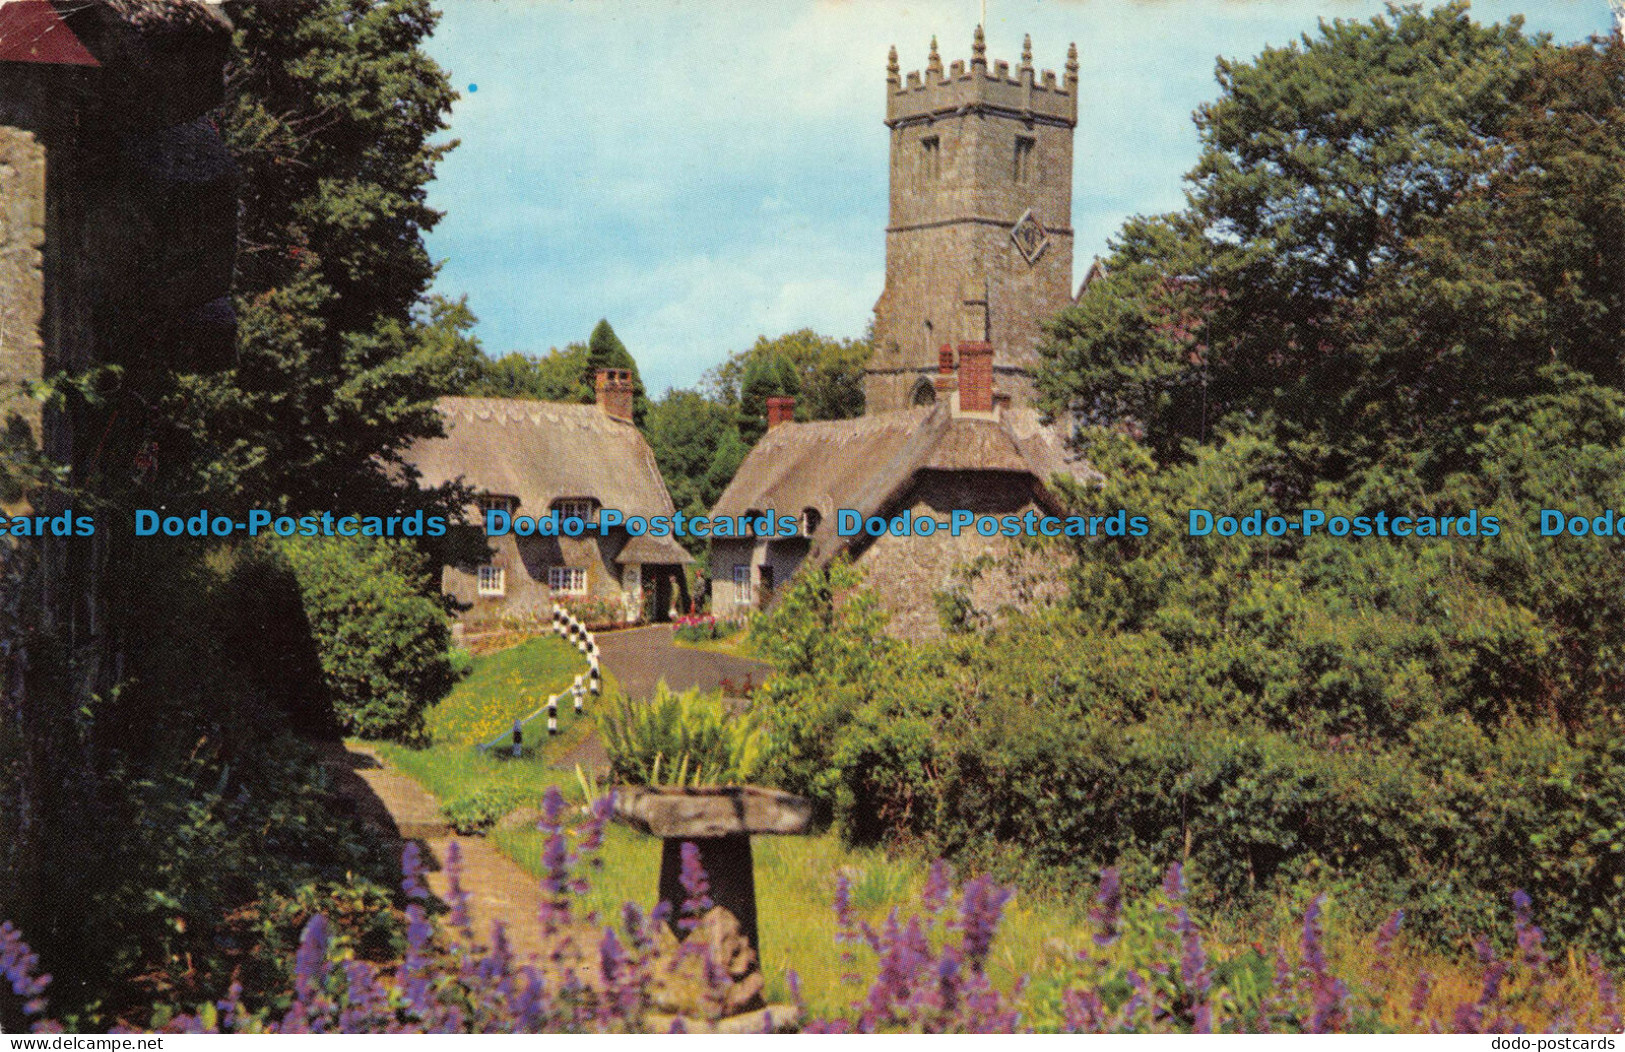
[[1193, 971], [1419, 999], [980, 909], [696, 887], [458, 898], [18, 966], [1328, 995], [1531, 939], [412, 871], [1173, 882], [1108, 908], [1607, 993], [938, 887]]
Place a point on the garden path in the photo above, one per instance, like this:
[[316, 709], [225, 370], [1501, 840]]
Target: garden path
[[499, 890]]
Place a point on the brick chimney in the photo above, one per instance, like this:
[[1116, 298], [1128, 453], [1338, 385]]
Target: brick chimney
[[615, 394], [976, 378], [946, 381], [781, 409]]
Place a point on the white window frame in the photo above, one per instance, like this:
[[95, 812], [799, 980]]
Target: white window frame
[[742, 590], [493, 581], [496, 502], [567, 580], [583, 508]]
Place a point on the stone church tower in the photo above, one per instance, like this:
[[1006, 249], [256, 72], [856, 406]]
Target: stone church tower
[[979, 245]]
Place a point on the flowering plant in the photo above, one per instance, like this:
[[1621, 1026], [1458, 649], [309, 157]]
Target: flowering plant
[[1146, 968]]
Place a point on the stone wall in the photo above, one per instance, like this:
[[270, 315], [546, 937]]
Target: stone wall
[[782, 556], [908, 572], [22, 237]]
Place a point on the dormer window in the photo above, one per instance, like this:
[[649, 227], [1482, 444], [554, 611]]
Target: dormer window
[[583, 508], [489, 502]]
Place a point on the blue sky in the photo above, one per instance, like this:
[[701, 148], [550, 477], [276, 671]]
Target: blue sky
[[702, 174]]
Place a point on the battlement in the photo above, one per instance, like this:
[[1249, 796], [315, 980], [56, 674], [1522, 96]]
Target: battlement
[[1028, 94]]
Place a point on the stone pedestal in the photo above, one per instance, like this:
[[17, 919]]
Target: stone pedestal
[[720, 822], [729, 869]]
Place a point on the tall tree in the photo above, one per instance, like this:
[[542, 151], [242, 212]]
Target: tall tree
[[332, 112], [764, 377], [829, 371], [606, 351], [1323, 166], [685, 431]]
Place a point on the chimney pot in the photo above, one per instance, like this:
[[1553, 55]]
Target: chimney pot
[[781, 409], [976, 377], [615, 394]]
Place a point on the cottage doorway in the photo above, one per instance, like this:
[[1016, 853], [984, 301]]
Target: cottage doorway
[[662, 611], [632, 591]]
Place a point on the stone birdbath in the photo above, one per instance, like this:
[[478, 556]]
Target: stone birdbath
[[719, 821]]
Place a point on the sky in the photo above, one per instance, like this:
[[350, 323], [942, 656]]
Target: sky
[[702, 174]]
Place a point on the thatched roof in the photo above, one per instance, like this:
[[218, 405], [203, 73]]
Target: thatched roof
[[540, 452], [869, 462], [646, 549]]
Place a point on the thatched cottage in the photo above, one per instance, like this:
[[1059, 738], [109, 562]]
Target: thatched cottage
[[968, 450], [533, 458]]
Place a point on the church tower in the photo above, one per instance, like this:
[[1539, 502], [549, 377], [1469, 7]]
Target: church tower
[[979, 244]]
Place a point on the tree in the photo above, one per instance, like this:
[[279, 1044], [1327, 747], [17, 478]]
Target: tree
[[685, 431], [1325, 167], [606, 351], [331, 113], [764, 377], [829, 371]]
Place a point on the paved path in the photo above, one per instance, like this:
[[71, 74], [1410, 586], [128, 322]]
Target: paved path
[[400, 808], [641, 657], [499, 890]]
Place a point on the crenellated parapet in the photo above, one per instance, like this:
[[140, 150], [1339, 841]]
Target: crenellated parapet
[[1025, 92]]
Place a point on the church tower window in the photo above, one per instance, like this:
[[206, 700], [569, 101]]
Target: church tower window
[[931, 157], [1021, 169]]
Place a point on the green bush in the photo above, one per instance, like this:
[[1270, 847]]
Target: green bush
[[1299, 741], [480, 810], [384, 645], [681, 739]]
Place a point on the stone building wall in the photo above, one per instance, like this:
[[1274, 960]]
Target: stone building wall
[[978, 157], [22, 238], [117, 231], [908, 571], [782, 556]]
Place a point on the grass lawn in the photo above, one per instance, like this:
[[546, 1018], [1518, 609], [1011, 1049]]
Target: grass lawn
[[795, 905], [796, 876], [735, 645], [503, 686]]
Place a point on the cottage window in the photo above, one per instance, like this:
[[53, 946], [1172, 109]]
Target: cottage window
[[493, 580], [571, 580], [585, 510], [492, 502], [742, 594]]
